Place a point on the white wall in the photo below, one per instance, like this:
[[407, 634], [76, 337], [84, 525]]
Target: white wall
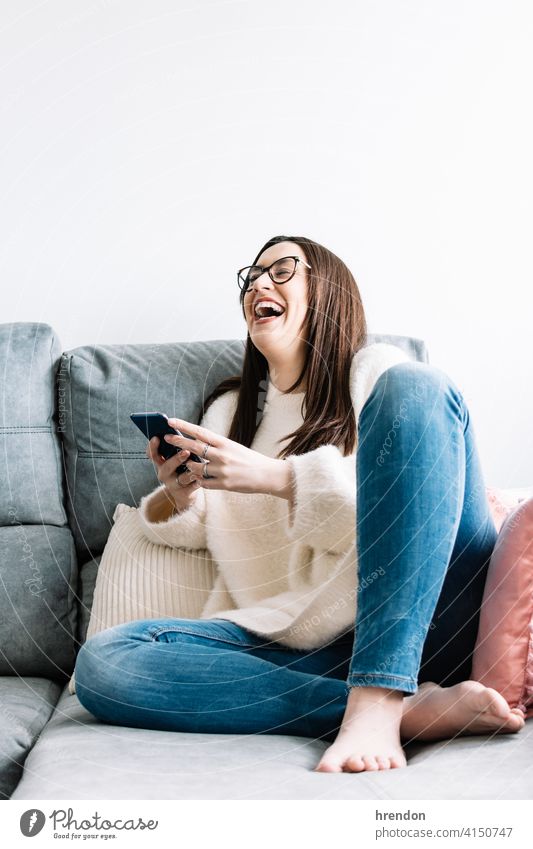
[[149, 148]]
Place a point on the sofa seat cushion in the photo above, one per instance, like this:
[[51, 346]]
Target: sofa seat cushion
[[78, 757], [25, 706]]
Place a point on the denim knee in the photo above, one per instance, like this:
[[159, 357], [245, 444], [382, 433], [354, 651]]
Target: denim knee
[[94, 666], [407, 388], [408, 401]]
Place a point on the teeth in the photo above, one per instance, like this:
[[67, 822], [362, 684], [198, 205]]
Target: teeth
[[261, 308]]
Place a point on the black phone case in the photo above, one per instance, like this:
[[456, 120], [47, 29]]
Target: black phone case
[[156, 424]]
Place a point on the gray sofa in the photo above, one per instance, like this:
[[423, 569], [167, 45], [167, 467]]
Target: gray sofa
[[70, 454]]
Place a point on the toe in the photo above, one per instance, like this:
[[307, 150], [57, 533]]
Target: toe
[[355, 764], [513, 723], [519, 712], [370, 762], [496, 704], [516, 720], [328, 766], [383, 762]]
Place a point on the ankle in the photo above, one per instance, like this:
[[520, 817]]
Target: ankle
[[375, 695], [366, 704]]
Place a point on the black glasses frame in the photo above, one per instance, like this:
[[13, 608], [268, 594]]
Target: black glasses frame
[[243, 283]]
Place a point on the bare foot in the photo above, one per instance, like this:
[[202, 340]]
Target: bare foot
[[369, 737], [436, 713], [376, 719]]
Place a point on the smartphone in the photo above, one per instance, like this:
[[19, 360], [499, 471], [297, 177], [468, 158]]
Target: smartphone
[[156, 424]]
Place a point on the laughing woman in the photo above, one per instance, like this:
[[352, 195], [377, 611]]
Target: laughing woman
[[341, 497]]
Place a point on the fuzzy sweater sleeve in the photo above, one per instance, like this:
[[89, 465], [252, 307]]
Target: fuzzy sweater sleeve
[[185, 529], [188, 528], [322, 510]]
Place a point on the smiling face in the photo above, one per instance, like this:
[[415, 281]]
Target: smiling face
[[273, 335]]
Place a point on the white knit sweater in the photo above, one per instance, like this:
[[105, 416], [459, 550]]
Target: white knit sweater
[[294, 583]]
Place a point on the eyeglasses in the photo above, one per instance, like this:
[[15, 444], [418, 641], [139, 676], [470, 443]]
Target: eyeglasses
[[279, 272]]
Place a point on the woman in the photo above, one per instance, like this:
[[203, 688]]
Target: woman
[[318, 624]]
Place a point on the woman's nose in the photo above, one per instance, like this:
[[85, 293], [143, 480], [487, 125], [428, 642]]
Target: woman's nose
[[265, 287]]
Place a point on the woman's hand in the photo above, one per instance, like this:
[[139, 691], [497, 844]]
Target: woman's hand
[[181, 493], [231, 466]]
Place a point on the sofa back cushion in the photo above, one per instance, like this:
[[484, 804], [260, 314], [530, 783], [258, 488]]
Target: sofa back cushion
[[30, 467], [102, 385], [38, 579], [37, 558]]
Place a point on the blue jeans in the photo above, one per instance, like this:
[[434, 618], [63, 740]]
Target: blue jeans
[[424, 540]]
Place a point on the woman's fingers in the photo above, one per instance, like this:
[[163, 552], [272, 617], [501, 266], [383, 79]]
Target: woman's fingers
[[198, 468], [197, 437], [152, 450], [167, 469]]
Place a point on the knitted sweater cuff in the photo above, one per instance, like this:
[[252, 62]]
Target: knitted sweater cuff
[[185, 529]]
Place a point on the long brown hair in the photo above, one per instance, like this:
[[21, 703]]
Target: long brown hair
[[334, 330]]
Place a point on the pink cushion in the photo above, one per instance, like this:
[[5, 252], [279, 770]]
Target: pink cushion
[[503, 654], [503, 501]]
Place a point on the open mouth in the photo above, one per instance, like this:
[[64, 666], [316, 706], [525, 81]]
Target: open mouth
[[264, 312]]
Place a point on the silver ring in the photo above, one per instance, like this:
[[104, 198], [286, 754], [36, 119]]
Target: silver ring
[[206, 449]]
